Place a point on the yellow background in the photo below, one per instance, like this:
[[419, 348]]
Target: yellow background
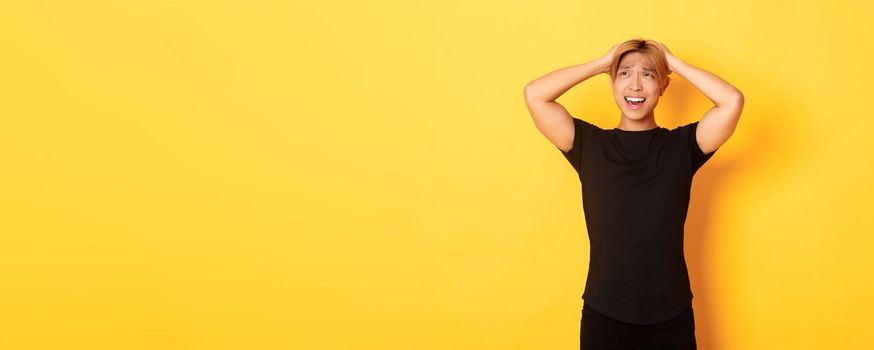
[[365, 175]]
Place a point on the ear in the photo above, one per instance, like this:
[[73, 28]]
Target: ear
[[667, 82]]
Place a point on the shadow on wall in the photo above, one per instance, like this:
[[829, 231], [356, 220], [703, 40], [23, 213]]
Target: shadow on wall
[[766, 142]]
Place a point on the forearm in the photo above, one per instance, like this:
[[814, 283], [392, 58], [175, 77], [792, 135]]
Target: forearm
[[552, 85], [717, 90]]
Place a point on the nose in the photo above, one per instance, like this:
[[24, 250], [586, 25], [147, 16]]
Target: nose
[[635, 83]]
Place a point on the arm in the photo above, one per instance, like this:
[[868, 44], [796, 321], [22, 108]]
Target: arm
[[718, 123], [550, 117]]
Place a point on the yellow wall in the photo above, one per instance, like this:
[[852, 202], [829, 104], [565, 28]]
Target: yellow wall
[[365, 175]]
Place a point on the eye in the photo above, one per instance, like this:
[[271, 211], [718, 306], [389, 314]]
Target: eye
[[648, 74], [622, 73]]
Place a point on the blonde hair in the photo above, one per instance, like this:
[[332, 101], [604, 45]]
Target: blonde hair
[[646, 47]]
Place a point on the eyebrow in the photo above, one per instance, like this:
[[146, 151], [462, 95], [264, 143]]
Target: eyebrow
[[644, 68]]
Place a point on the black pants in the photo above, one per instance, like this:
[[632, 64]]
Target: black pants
[[598, 331]]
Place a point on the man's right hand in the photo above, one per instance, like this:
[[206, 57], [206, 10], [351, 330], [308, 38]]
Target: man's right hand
[[607, 59]]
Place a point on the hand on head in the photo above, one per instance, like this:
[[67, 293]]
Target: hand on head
[[662, 47]]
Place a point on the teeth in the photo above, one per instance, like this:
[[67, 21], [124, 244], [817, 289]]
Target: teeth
[[635, 99]]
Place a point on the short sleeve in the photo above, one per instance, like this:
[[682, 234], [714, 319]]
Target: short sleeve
[[582, 132], [698, 156]]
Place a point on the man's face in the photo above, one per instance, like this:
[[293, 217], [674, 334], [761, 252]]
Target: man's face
[[636, 78]]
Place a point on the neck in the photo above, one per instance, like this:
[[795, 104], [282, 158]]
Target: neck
[[645, 123]]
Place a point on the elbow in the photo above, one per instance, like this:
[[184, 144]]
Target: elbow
[[532, 94], [736, 100], [528, 92]]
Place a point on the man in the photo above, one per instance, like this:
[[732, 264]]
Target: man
[[636, 180]]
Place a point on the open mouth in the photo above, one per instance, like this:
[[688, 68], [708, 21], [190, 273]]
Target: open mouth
[[634, 103]]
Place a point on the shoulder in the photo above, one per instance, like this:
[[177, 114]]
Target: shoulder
[[685, 134], [685, 131], [685, 128], [584, 129], [584, 124]]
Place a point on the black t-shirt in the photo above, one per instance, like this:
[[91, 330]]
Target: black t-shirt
[[636, 187]]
